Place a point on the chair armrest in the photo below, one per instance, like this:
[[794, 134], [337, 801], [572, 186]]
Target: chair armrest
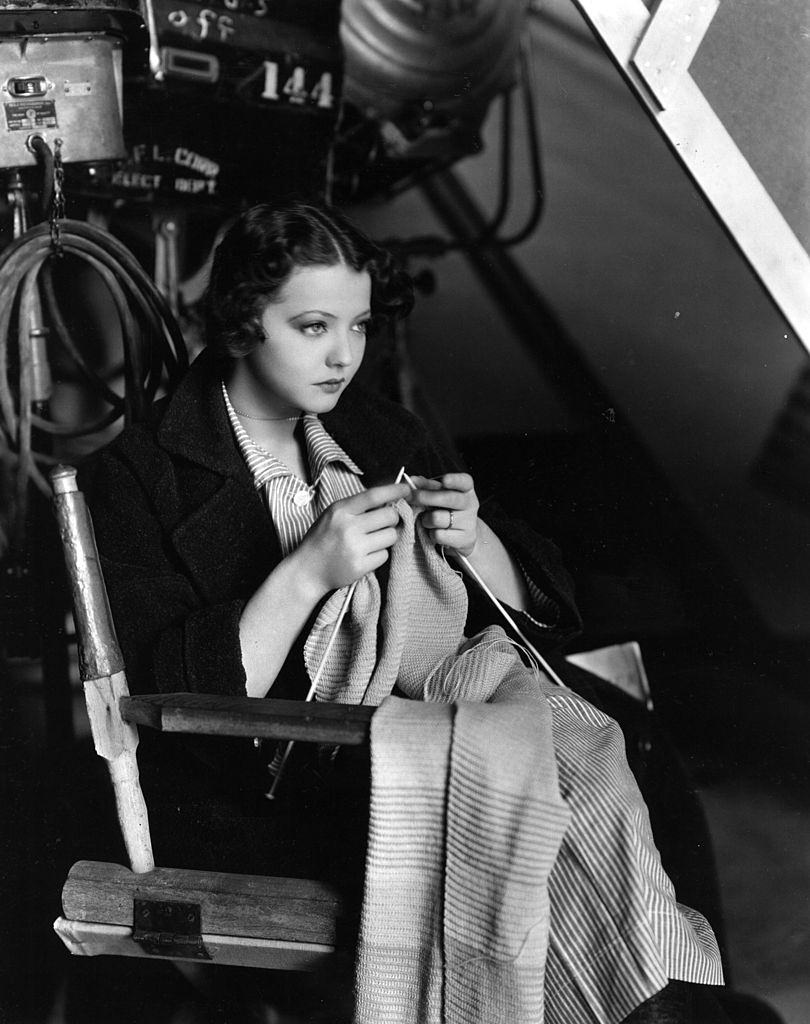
[[211, 715]]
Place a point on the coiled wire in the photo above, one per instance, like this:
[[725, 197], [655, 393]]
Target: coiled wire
[[153, 348]]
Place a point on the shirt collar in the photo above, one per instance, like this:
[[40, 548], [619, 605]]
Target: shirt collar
[[264, 466], [322, 449]]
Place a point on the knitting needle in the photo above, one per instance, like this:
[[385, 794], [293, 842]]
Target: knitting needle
[[271, 793], [542, 663], [532, 649]]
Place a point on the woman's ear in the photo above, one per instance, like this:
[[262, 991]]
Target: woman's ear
[[249, 336], [254, 333]]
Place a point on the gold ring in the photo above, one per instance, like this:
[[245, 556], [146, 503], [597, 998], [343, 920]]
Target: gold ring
[[452, 517]]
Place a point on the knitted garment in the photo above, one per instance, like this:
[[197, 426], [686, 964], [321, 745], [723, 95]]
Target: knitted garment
[[511, 872], [421, 623]]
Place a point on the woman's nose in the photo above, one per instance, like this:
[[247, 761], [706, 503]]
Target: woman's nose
[[342, 352]]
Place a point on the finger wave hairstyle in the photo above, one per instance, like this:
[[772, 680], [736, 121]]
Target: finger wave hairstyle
[[265, 245]]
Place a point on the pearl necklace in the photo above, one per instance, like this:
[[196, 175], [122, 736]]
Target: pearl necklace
[[269, 419]]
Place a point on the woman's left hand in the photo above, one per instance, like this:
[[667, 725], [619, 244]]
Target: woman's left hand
[[449, 510]]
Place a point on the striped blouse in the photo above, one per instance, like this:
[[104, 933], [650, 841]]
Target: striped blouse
[[293, 504]]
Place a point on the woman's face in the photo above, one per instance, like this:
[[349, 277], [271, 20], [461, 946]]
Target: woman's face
[[315, 340]]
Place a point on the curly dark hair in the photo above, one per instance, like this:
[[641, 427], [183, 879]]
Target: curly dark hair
[[265, 245]]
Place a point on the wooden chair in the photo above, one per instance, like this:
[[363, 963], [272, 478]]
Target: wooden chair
[[189, 915], [255, 921]]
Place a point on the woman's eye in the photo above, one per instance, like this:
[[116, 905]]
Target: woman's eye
[[362, 327], [314, 329]]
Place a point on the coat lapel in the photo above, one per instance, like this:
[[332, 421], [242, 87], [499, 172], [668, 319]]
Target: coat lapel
[[228, 543], [222, 533], [195, 424]]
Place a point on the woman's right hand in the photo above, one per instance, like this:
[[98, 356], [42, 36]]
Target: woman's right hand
[[351, 538]]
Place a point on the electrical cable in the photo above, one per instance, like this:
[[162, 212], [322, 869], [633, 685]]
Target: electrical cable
[[505, 193], [65, 335], [44, 155], [154, 348], [432, 246], [533, 134]]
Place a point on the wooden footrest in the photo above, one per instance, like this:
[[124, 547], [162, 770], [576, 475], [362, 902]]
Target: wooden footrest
[[178, 914]]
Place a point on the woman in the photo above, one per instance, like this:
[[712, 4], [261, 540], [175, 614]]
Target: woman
[[267, 482]]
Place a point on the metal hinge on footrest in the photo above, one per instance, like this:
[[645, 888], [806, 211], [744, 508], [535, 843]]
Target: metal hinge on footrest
[[169, 928]]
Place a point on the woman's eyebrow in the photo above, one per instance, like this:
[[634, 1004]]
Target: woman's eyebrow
[[312, 312], [325, 314]]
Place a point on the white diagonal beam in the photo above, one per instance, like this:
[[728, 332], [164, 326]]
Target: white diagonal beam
[[710, 155], [670, 42]]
